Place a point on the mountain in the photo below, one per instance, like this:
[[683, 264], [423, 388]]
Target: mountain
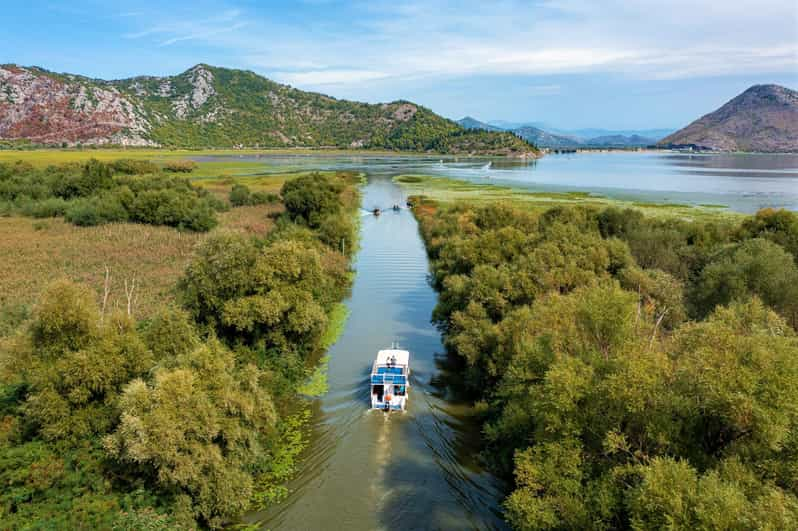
[[472, 123], [620, 141], [763, 118], [208, 106], [542, 138], [546, 136], [593, 133]]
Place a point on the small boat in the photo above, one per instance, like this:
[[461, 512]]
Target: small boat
[[390, 380]]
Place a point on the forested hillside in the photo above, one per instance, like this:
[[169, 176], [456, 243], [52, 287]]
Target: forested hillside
[[208, 106], [187, 418], [632, 372]]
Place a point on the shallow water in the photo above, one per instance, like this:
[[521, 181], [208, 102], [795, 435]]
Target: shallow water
[[367, 469], [742, 182]]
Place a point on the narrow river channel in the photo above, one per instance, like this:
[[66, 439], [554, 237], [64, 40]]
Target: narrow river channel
[[369, 470]]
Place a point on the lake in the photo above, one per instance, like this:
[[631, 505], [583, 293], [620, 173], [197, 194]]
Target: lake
[[742, 182]]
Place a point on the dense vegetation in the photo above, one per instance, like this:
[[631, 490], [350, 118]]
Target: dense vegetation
[[633, 372], [94, 193], [180, 420]]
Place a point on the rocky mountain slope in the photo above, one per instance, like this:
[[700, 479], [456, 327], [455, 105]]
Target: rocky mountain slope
[[217, 107], [763, 118]]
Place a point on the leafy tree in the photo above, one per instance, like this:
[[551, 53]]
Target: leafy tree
[[310, 199], [240, 195], [73, 367], [273, 295], [753, 267], [201, 427], [779, 226]]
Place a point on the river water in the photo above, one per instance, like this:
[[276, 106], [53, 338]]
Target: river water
[[366, 470]]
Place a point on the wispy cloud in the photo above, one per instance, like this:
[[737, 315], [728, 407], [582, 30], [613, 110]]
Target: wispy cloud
[[203, 34], [188, 29], [329, 77]]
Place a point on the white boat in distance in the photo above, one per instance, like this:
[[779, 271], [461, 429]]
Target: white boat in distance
[[390, 380]]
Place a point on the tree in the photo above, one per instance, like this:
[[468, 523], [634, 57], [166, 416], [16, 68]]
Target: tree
[[779, 226], [73, 367], [753, 267], [240, 195], [201, 426], [310, 199]]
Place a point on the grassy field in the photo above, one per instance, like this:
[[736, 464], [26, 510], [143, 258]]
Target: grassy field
[[34, 252], [37, 251], [442, 189], [45, 157]]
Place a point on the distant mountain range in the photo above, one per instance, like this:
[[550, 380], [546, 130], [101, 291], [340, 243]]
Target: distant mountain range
[[472, 123], [763, 118], [208, 106], [545, 136]]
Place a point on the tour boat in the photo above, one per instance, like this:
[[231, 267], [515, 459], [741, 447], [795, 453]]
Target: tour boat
[[390, 380]]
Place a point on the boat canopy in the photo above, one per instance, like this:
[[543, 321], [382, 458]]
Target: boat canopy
[[398, 357]]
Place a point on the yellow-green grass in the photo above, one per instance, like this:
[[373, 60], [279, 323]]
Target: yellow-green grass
[[445, 190], [45, 157], [34, 253], [221, 182]]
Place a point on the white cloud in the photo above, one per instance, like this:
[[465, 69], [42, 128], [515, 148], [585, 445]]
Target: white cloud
[[328, 77]]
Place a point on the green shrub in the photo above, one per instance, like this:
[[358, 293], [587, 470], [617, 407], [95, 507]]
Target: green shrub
[[311, 198], [96, 210], [134, 167], [169, 207], [180, 166], [46, 208], [240, 195], [94, 177]]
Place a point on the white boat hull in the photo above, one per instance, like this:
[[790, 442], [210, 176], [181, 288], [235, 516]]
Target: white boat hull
[[390, 380]]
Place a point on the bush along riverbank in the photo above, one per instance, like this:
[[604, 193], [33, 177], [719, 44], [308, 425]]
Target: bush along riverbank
[[188, 419], [632, 372]]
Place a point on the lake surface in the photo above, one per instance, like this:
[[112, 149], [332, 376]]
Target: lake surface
[[742, 182]]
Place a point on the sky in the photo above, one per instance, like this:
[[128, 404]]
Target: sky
[[615, 64]]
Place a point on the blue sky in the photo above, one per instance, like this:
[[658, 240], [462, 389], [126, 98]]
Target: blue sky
[[570, 63]]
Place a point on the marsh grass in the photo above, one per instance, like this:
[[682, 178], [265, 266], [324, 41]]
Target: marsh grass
[[37, 252], [316, 385], [443, 189]]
